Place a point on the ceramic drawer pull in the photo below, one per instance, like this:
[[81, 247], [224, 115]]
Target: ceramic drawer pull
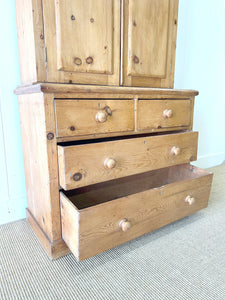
[[190, 200], [167, 113], [125, 225], [109, 163], [175, 151], [101, 116]]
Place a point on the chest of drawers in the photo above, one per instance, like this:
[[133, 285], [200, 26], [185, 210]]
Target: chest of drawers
[[107, 141], [105, 165]]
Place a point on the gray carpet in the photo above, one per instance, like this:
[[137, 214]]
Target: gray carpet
[[184, 260]]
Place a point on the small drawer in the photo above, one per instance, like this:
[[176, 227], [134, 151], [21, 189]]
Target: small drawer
[[85, 117], [160, 114], [99, 217], [85, 164]]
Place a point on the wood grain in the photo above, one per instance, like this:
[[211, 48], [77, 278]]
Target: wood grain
[[149, 42], [40, 161], [47, 30], [78, 117], [70, 224], [131, 182], [67, 89], [150, 114], [84, 23], [95, 27], [30, 35], [55, 249], [132, 156], [26, 42], [149, 209], [147, 37]]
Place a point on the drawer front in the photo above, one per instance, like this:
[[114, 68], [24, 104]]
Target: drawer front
[[95, 229], [85, 117], [157, 114], [83, 165]]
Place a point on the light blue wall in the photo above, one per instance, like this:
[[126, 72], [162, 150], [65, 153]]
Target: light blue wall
[[12, 185], [200, 64]]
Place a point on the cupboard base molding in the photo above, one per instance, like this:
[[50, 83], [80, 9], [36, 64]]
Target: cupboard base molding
[[55, 249]]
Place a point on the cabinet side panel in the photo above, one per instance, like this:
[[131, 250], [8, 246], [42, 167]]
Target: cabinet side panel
[[26, 44], [40, 161]]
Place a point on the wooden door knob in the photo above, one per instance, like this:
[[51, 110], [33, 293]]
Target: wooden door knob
[[109, 163], [101, 116], [190, 200], [125, 225], [175, 150], [167, 113]]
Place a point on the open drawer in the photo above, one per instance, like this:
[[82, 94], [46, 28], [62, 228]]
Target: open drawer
[[82, 164], [101, 216]]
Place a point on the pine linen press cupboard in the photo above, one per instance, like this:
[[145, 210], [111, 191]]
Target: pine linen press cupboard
[[107, 141]]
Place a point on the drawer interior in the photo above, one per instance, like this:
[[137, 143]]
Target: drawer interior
[[98, 217], [92, 195]]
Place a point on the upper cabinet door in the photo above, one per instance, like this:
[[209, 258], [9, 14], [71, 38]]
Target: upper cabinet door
[[82, 39], [149, 42]]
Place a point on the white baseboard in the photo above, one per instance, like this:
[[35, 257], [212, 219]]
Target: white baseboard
[[210, 160]]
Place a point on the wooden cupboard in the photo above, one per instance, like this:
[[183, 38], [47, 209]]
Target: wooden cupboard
[[104, 42], [107, 145]]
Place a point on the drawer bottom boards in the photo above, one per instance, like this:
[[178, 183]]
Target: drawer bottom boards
[[101, 216]]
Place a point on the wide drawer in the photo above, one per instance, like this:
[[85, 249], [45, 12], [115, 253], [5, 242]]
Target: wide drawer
[[159, 114], [85, 164], [85, 117], [102, 216]]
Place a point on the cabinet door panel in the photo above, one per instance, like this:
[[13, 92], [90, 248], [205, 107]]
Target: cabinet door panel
[[84, 35], [148, 19], [149, 42], [82, 41]]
